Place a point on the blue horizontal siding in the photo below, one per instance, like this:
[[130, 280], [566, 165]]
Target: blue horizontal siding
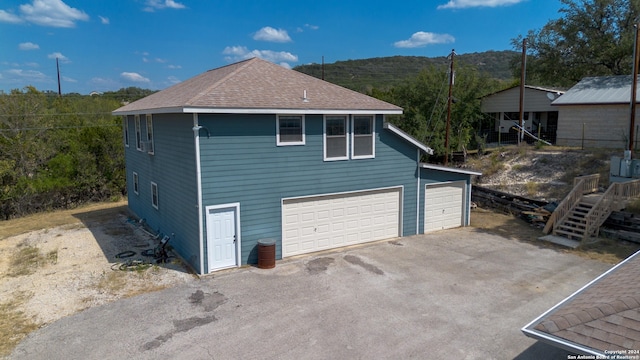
[[241, 163], [172, 167]]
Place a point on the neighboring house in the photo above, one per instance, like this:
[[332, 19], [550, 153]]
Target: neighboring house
[[254, 151], [503, 108], [600, 320], [596, 113]]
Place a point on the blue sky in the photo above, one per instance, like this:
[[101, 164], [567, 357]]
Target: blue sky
[[104, 45]]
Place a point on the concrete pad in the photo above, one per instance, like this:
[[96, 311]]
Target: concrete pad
[[562, 241], [454, 294]]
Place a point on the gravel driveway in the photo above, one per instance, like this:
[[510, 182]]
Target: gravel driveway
[[455, 294]]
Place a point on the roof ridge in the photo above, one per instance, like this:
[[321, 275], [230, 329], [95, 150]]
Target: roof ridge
[[598, 311], [239, 66]]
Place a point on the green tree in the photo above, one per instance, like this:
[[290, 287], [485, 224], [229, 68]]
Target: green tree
[[592, 38], [424, 103]]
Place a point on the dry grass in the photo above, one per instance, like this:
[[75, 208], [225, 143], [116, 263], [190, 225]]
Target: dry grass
[[68, 218], [28, 259], [14, 324], [605, 250]]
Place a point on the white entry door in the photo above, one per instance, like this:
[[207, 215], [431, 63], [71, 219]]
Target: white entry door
[[443, 206], [221, 238]]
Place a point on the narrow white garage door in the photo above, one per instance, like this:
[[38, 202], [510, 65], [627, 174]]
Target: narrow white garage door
[[443, 206], [324, 222]]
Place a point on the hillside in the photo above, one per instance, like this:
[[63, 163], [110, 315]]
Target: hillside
[[384, 72], [542, 174]]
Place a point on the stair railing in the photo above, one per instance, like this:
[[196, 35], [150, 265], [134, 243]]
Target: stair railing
[[581, 185], [614, 199]]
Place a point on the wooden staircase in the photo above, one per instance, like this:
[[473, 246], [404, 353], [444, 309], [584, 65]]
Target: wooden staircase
[[580, 215]]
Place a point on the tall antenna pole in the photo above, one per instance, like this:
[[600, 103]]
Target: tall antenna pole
[[634, 85], [523, 71], [449, 101], [58, 68]]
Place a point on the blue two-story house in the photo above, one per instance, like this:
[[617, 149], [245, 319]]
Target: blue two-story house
[[254, 151]]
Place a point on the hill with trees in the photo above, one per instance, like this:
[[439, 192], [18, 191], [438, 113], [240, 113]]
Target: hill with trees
[[384, 73]]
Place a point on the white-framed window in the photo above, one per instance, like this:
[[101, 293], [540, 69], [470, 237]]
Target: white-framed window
[[335, 137], [138, 134], [362, 137], [154, 195], [125, 127], [149, 134], [290, 130], [136, 186]]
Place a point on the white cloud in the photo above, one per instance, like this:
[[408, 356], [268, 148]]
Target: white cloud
[[10, 18], [26, 75], [237, 53], [153, 5], [68, 79], [104, 20], [462, 4], [54, 13], [28, 46], [421, 39], [174, 66], [135, 77], [59, 56], [311, 27], [270, 34], [173, 80]]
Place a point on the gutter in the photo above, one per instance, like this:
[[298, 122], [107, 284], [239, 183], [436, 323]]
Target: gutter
[[196, 140]]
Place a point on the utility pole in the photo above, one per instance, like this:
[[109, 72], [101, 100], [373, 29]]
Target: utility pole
[[634, 85], [58, 69], [522, 80], [449, 101]]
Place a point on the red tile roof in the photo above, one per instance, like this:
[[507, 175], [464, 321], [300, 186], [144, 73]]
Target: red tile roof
[[602, 316], [257, 85]]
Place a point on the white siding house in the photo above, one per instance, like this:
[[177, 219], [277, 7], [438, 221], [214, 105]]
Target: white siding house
[[503, 107]]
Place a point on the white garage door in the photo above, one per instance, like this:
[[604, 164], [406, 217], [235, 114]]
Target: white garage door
[[324, 222], [443, 206]]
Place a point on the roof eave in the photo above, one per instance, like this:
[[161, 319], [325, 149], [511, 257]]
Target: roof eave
[[210, 110], [530, 331], [448, 169], [396, 130]]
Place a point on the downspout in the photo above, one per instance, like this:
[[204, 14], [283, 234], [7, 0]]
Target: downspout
[[418, 195], [196, 139]]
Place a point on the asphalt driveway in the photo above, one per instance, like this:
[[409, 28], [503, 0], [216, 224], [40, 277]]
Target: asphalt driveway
[[455, 294]]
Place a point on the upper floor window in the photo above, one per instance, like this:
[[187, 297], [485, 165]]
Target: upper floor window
[[149, 144], [290, 130], [125, 126], [138, 134], [335, 137], [362, 137]]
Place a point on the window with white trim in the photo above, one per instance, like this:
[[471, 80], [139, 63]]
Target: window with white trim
[[290, 130], [135, 183], [125, 126], [138, 134], [335, 137], [362, 137], [149, 134], [154, 195]]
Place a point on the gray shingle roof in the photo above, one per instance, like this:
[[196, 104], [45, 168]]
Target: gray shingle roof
[[256, 85], [603, 316], [598, 90]]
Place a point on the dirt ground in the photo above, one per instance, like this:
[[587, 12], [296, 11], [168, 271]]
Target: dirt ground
[[59, 263]]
